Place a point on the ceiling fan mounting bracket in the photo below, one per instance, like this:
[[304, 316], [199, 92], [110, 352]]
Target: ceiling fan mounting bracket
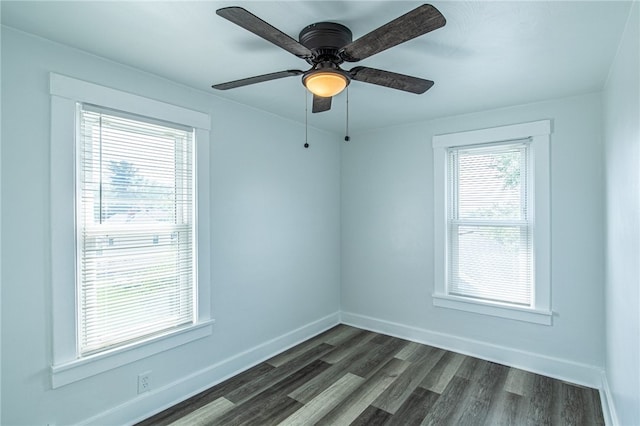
[[325, 39]]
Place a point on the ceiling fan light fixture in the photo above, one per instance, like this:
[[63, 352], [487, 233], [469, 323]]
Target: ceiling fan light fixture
[[325, 83]]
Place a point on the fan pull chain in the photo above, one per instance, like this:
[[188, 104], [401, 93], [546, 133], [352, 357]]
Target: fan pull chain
[[306, 119], [347, 138]]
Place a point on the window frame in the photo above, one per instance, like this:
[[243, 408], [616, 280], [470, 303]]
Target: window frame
[[539, 168], [66, 92]]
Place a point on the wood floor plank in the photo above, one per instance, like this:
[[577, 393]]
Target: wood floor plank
[[347, 348], [412, 351], [299, 377], [207, 414], [273, 409], [519, 382], [341, 334], [474, 411], [317, 385], [481, 371], [372, 416], [506, 410], [310, 390], [271, 403], [594, 407], [573, 403], [487, 381], [442, 373], [362, 360], [446, 410], [579, 405], [396, 394], [383, 339], [375, 359], [296, 351], [356, 402], [319, 406], [263, 382], [469, 367], [422, 350], [415, 408], [283, 408], [541, 409]]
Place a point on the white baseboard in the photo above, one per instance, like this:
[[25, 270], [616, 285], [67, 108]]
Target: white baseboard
[[608, 408], [168, 395], [582, 374]]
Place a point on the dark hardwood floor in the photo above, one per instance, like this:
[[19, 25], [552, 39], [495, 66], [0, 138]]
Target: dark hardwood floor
[[348, 376]]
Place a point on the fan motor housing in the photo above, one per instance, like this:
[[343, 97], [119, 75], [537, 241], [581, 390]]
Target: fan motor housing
[[325, 38]]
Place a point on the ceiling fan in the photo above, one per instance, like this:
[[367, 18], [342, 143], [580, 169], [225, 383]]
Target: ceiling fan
[[326, 45]]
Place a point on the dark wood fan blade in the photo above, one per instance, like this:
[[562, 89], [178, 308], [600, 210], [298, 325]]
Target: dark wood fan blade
[[391, 79], [256, 79], [419, 21], [250, 22], [321, 104]]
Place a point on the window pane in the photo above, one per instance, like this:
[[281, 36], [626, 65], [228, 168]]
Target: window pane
[[491, 263], [490, 184]]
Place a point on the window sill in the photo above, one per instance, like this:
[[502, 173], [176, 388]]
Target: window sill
[[78, 369], [537, 316]]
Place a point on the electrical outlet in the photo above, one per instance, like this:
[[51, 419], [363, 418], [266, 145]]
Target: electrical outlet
[[144, 382]]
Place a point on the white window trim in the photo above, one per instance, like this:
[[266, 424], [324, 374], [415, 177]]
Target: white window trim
[[539, 133], [65, 93]]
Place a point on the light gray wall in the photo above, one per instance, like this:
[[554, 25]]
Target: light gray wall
[[387, 238], [275, 237], [622, 154]]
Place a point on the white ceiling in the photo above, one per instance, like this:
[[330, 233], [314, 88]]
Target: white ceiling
[[489, 54]]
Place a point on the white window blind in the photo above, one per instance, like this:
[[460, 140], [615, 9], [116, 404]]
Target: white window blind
[[135, 218], [490, 238]]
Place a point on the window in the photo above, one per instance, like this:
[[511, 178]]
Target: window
[[130, 228], [490, 231], [492, 221], [135, 190]]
